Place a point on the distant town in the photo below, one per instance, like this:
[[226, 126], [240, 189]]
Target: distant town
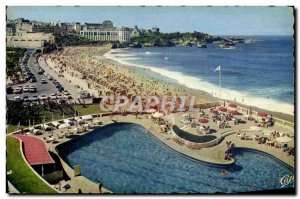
[[34, 34]]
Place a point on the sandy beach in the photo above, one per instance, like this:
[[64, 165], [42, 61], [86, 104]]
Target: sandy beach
[[86, 68]]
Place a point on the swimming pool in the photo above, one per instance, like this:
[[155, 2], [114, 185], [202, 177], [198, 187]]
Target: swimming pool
[[127, 159]]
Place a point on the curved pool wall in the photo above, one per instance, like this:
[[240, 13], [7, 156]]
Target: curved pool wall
[[127, 159]]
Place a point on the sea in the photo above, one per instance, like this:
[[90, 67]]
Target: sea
[[257, 74]]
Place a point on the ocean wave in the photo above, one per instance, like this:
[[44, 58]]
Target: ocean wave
[[130, 58], [246, 98]]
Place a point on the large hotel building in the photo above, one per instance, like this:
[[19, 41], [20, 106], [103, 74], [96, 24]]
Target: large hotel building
[[104, 32]]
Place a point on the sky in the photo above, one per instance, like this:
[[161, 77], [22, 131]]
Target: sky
[[211, 20]]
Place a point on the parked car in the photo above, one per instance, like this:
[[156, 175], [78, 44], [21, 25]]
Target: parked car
[[34, 98], [57, 85], [33, 79], [43, 81], [67, 96], [61, 89], [20, 87], [17, 90], [59, 96], [32, 89], [41, 71], [26, 98], [52, 96], [26, 89], [17, 98], [43, 97]]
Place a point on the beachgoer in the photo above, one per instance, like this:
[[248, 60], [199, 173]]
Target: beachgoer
[[224, 173], [100, 187]]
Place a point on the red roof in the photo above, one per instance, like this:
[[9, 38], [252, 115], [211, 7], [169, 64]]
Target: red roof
[[35, 150]]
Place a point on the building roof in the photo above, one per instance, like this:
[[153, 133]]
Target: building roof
[[35, 150]]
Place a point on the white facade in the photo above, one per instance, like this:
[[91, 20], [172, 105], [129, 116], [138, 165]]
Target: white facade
[[97, 33], [29, 40]]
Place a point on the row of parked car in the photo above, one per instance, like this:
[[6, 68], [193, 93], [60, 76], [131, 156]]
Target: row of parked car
[[28, 75], [19, 89], [43, 97]]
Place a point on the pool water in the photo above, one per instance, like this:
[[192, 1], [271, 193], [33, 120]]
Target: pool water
[[127, 159]]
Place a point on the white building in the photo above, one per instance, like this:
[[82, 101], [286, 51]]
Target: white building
[[23, 27], [29, 40], [98, 32]]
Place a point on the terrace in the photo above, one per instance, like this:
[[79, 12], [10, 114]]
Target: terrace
[[212, 153]]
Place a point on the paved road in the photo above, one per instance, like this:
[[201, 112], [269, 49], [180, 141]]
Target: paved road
[[67, 85], [46, 89]]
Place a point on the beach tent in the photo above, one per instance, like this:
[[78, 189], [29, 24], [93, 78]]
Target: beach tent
[[223, 109], [284, 139], [262, 114], [87, 117], [63, 126], [157, 115], [203, 120]]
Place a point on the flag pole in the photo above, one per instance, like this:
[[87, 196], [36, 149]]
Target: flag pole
[[220, 81]]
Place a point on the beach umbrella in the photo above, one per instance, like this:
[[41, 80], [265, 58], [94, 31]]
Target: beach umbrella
[[256, 128], [223, 109], [232, 105], [235, 112], [284, 139], [214, 111], [157, 115], [203, 120], [262, 114], [151, 110]]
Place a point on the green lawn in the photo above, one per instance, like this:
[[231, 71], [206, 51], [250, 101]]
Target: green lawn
[[90, 109], [13, 127], [22, 176]]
